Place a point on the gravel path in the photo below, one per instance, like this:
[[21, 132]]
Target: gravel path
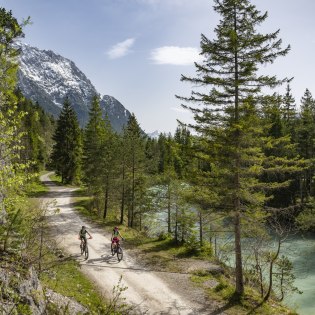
[[147, 292]]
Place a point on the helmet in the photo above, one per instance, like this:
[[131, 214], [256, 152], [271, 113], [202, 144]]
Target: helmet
[[83, 227]]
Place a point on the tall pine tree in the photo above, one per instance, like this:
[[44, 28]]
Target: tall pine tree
[[228, 109], [289, 113], [67, 150], [306, 142], [133, 164], [94, 137]]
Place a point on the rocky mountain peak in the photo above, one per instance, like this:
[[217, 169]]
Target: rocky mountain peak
[[47, 78]]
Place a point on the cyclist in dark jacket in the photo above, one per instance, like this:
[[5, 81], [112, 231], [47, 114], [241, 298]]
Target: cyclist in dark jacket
[[82, 234]]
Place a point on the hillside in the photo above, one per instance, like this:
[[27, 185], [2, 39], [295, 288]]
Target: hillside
[[47, 78]]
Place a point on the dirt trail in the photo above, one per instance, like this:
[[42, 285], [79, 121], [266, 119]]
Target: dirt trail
[[146, 291]]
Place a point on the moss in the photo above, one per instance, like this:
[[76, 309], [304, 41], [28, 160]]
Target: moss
[[24, 309]]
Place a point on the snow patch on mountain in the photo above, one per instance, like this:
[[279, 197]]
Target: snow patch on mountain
[[154, 135], [47, 78]]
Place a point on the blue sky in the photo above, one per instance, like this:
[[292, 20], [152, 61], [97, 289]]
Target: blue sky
[[136, 50]]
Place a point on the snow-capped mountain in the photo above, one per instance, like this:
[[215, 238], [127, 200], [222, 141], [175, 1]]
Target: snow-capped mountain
[[47, 78], [154, 135]]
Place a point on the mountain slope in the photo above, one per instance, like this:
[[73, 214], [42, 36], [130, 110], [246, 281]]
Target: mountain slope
[[47, 78]]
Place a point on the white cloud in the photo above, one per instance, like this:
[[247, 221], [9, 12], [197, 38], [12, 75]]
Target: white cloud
[[173, 55], [121, 49]]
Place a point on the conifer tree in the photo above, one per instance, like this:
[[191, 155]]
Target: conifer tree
[[110, 164], [306, 141], [289, 113], [230, 74], [134, 155], [306, 133], [67, 150], [280, 150], [94, 137], [182, 148], [168, 161], [152, 156]]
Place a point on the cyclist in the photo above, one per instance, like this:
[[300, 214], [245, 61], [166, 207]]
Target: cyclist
[[82, 234], [115, 239]]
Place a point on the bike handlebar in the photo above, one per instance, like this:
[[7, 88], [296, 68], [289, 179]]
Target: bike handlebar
[[79, 238]]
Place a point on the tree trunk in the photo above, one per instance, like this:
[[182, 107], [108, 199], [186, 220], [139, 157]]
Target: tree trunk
[[238, 255], [176, 225], [40, 256], [122, 206], [272, 261], [200, 230], [169, 229], [106, 199], [140, 221], [259, 272], [132, 193], [239, 281]]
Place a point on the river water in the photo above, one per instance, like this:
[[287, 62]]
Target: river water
[[301, 251]]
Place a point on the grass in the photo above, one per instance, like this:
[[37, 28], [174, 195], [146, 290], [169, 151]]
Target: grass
[[67, 279], [56, 179], [222, 290], [36, 189]]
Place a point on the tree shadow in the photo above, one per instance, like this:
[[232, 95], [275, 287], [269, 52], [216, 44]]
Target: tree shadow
[[223, 308], [255, 308], [107, 258]]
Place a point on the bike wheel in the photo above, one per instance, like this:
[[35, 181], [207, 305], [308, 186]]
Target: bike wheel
[[112, 249], [81, 248], [86, 254], [119, 253]]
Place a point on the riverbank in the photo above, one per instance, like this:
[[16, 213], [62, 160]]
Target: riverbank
[[301, 251]]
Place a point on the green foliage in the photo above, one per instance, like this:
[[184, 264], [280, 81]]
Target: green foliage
[[306, 218], [37, 128], [289, 113], [67, 150], [13, 170], [164, 236], [23, 309], [10, 31], [285, 278], [35, 188], [133, 179], [94, 138], [100, 158], [118, 305]]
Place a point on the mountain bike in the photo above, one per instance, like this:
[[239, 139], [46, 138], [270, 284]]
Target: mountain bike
[[84, 248], [117, 250]]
